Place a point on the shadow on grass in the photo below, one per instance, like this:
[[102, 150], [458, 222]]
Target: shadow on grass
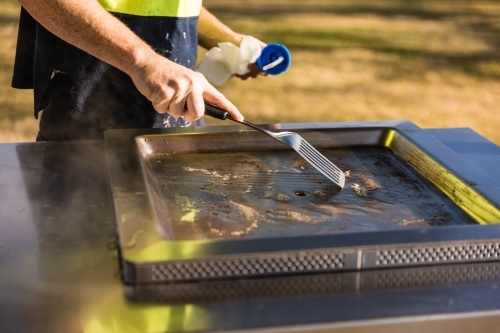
[[387, 9], [470, 63], [6, 19], [464, 15]]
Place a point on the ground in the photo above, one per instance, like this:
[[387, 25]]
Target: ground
[[435, 63]]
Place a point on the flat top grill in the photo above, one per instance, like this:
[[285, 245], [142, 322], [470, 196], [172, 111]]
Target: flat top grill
[[221, 203]]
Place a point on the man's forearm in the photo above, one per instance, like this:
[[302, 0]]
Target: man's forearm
[[211, 31], [88, 26], [170, 87]]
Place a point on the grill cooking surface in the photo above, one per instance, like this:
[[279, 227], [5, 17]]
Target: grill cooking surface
[[215, 203], [271, 193]]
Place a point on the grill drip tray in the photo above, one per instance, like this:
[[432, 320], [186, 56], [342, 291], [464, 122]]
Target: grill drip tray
[[220, 202]]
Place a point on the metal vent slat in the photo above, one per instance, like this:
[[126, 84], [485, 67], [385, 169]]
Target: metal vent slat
[[261, 265]]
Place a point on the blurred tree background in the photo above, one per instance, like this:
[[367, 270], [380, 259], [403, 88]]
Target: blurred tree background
[[435, 63]]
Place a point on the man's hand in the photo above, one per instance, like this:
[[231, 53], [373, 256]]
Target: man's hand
[[254, 72], [171, 88]]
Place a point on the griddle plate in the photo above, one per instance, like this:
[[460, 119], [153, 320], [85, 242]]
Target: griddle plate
[[215, 203], [261, 194]]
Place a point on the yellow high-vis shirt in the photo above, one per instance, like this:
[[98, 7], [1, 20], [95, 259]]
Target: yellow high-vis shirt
[[166, 8]]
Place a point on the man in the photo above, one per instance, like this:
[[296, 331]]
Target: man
[[100, 64]]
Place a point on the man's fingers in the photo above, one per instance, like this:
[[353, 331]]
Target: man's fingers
[[195, 107], [253, 73], [162, 106], [255, 70], [181, 92], [177, 106], [244, 76], [213, 96]]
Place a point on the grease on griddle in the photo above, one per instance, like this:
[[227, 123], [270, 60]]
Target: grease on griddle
[[369, 184], [360, 191], [255, 194], [282, 197], [414, 223], [290, 216], [218, 218], [215, 174], [319, 192], [188, 207], [268, 194]]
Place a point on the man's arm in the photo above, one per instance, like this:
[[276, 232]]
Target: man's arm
[[211, 31], [88, 26]]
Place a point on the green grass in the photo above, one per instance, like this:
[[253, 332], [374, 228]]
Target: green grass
[[16, 106], [435, 63]]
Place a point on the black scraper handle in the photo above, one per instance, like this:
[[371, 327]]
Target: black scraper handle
[[216, 112]]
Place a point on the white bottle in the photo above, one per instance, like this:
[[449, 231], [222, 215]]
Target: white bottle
[[221, 63]]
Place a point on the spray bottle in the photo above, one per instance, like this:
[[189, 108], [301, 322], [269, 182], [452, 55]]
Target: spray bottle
[[221, 63]]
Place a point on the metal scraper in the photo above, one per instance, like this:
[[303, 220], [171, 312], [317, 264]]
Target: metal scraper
[[301, 146]]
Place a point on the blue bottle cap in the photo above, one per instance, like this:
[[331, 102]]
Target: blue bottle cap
[[270, 59]]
